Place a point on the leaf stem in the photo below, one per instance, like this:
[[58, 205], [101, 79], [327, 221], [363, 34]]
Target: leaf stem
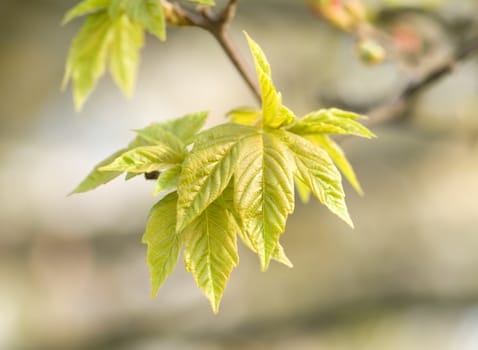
[[218, 26], [229, 48]]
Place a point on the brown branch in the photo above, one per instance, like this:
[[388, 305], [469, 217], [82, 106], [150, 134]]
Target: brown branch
[[229, 48], [218, 26], [393, 109]]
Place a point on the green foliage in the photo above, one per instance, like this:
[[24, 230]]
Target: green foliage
[[204, 2], [210, 251], [331, 121], [316, 170], [149, 13], [235, 179], [164, 243], [272, 113], [113, 33], [264, 191], [338, 156], [183, 128], [207, 170], [96, 177], [244, 115], [84, 8]]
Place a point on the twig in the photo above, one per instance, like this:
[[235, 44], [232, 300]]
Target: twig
[[390, 110], [218, 26]]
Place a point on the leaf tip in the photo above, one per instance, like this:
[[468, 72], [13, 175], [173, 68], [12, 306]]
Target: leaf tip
[[248, 38], [359, 189], [215, 305], [65, 20], [264, 264], [75, 191], [79, 100], [154, 291], [286, 262], [348, 220]]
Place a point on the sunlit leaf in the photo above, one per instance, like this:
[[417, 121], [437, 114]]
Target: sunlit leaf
[[331, 121], [316, 170], [264, 192], [228, 198], [271, 99], [280, 256], [96, 177], [158, 135], [210, 251], [127, 40], [84, 8], [145, 159], [167, 180], [187, 126], [338, 156], [286, 116], [207, 169], [302, 190], [148, 13], [87, 57], [130, 176], [204, 2], [163, 242], [244, 115]]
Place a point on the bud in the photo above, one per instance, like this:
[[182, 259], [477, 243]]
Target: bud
[[345, 14], [356, 10], [370, 51], [406, 39], [173, 14]]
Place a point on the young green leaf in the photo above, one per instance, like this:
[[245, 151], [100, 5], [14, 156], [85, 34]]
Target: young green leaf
[[331, 121], [207, 169], [204, 2], [338, 156], [130, 176], [148, 13], [278, 255], [87, 57], [302, 190], [210, 251], [96, 177], [167, 180], [187, 126], [158, 135], [271, 99], [316, 170], [84, 8], [286, 115], [264, 192], [228, 198], [145, 159], [244, 115], [127, 40], [163, 242]]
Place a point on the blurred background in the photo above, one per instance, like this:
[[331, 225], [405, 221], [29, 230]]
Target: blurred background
[[72, 269]]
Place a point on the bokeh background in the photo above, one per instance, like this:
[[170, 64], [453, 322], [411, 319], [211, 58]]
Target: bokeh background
[[72, 269]]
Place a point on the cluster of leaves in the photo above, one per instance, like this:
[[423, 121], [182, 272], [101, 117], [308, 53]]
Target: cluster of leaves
[[113, 32], [235, 179]]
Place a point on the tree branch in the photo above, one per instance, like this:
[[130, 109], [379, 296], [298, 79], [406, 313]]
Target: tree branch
[[393, 108], [218, 26]]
